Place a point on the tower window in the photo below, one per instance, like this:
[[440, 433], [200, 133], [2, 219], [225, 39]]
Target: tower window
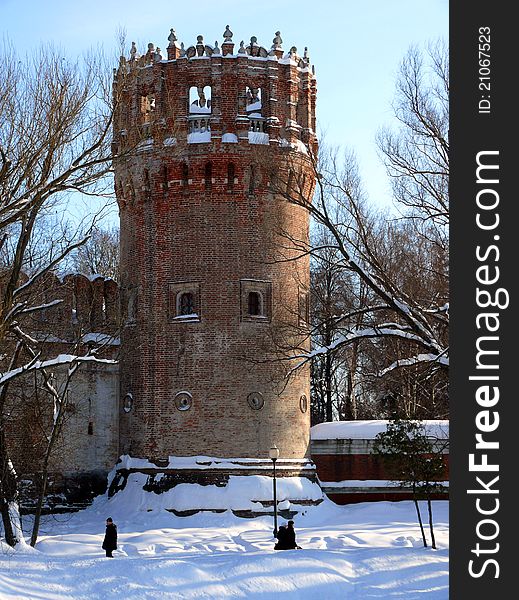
[[199, 118], [186, 304], [165, 179], [183, 401], [147, 184], [255, 304], [254, 104], [230, 177], [128, 403], [184, 301], [199, 99], [147, 107], [256, 401], [255, 300], [257, 133], [185, 174], [208, 175], [252, 179]]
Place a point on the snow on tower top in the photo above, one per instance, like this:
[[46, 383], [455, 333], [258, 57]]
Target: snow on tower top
[[281, 114], [201, 49]]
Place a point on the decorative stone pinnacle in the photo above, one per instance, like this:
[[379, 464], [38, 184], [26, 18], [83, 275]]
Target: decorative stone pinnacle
[[199, 39], [242, 48], [227, 34], [151, 47], [172, 37], [216, 50], [182, 49], [277, 41], [253, 40], [133, 51], [158, 55]]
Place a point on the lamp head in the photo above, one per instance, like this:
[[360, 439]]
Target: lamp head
[[274, 453]]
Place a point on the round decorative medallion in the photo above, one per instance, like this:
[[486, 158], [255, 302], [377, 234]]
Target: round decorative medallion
[[127, 403], [183, 400], [303, 403], [255, 400]]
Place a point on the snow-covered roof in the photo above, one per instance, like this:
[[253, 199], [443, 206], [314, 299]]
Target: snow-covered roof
[[367, 483], [367, 430], [100, 338], [212, 463]]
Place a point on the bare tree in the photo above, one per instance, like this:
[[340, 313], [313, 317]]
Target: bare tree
[[55, 138], [58, 392], [416, 154], [401, 261], [332, 293], [99, 255]]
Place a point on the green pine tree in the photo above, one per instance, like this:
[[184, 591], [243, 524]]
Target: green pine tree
[[415, 460]]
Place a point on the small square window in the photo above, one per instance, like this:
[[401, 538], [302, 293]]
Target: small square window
[[184, 301], [255, 300]]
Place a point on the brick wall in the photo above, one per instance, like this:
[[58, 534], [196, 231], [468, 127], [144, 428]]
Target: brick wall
[[184, 224], [352, 460]]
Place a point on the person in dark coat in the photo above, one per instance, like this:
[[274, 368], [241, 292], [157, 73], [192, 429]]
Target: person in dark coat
[[110, 541], [290, 538], [286, 536], [281, 536]]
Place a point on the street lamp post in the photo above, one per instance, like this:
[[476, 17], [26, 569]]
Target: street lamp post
[[274, 455]]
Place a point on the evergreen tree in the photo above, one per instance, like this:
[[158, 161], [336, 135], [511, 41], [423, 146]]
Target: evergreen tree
[[416, 461]]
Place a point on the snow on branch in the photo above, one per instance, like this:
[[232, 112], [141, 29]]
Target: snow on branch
[[441, 359], [359, 334], [61, 359], [20, 309], [50, 265]]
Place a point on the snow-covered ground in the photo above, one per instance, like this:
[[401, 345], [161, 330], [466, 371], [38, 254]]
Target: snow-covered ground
[[356, 552]]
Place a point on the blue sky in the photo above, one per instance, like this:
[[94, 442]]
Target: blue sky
[[356, 47]]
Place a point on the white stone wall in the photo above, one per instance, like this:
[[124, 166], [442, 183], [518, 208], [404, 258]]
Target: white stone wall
[[93, 399]]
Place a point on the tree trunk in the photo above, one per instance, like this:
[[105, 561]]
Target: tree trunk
[[59, 403], [431, 528], [420, 520], [328, 379], [6, 522], [39, 506], [9, 496]]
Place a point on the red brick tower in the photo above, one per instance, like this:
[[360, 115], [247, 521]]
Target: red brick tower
[[205, 300]]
